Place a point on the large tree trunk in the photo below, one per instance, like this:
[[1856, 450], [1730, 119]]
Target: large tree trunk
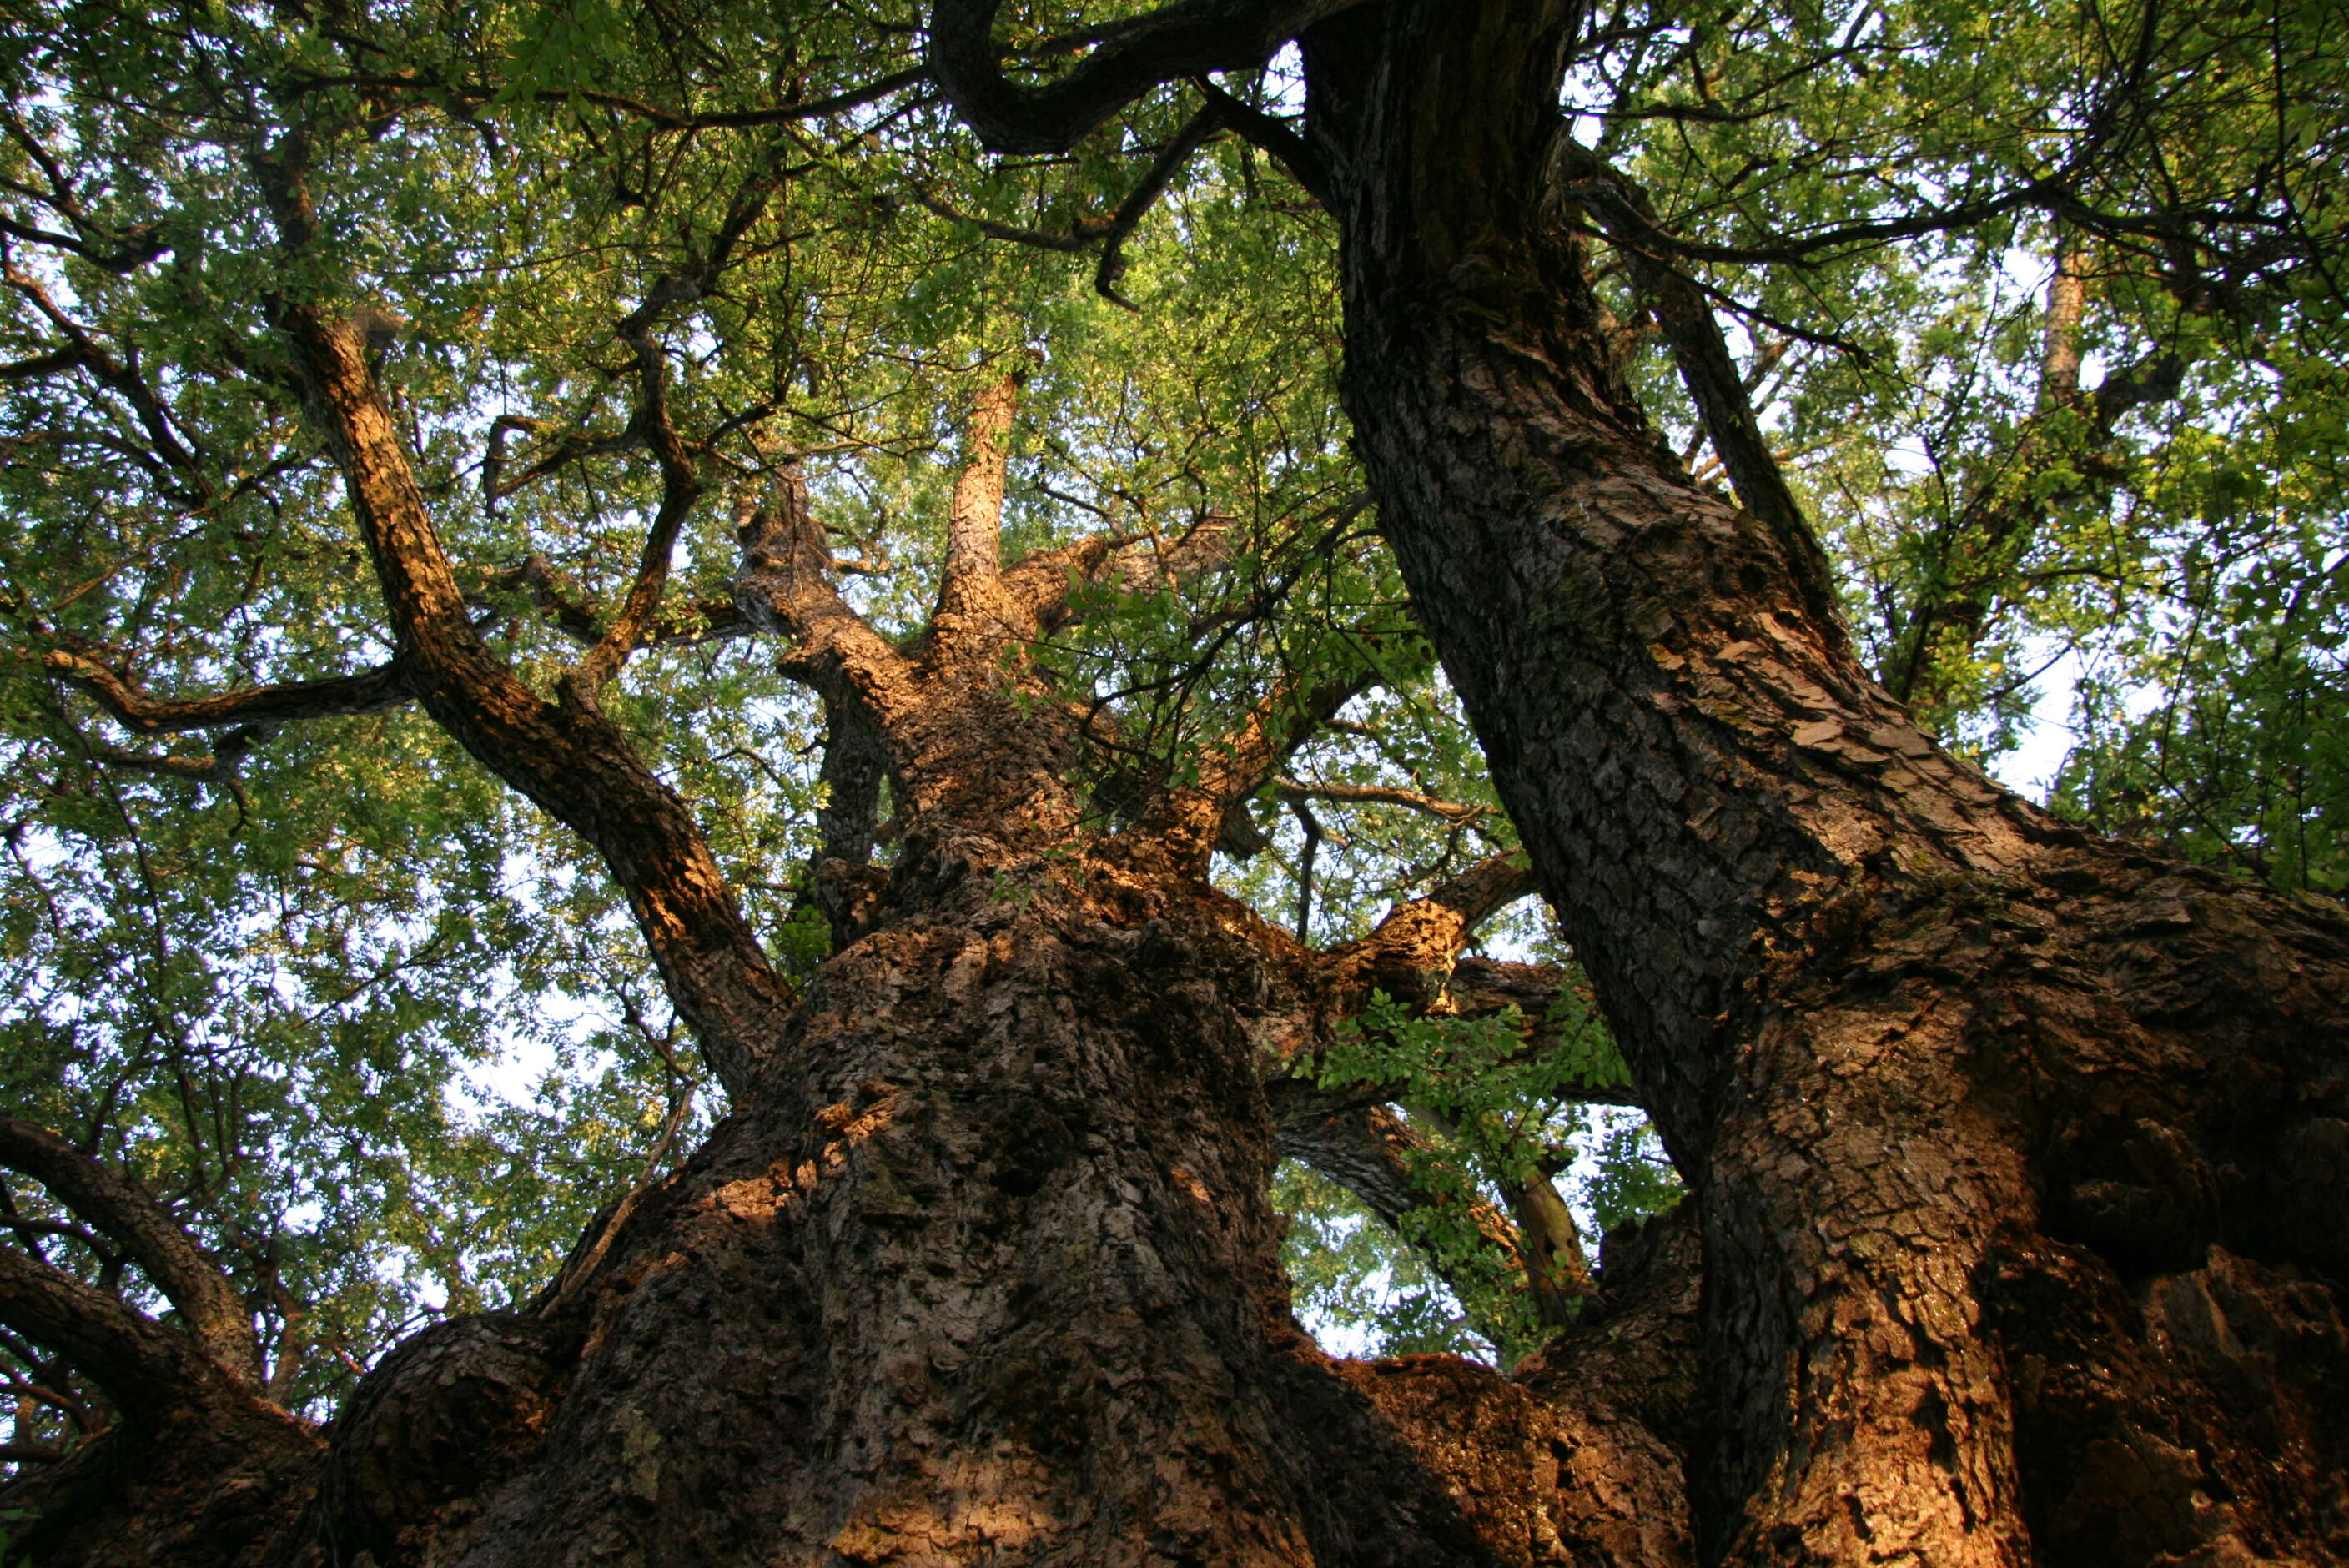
[[982, 1272], [982, 1269], [980, 1266], [2020, 1154]]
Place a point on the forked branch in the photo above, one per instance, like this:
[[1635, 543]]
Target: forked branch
[[784, 586], [148, 1370], [1701, 354], [568, 757]]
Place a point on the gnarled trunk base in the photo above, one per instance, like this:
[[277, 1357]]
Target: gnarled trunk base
[[991, 1278]]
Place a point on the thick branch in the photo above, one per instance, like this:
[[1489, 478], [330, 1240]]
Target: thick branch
[[148, 1370], [570, 760], [2067, 298], [1270, 134], [1411, 954], [1363, 1147], [371, 691], [1253, 749], [844, 884], [856, 763], [1191, 818], [784, 586], [1187, 39], [124, 1211], [1707, 370], [1377, 1156], [971, 615], [1550, 1247], [1040, 587]]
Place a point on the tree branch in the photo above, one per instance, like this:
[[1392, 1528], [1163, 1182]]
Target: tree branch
[[568, 757], [1269, 134], [1381, 1159], [1708, 372], [659, 117], [707, 619], [370, 691], [653, 424], [972, 617], [680, 489], [1190, 818], [784, 587], [153, 414], [1197, 133], [1380, 794], [1411, 953], [123, 1210], [1080, 234], [1979, 550], [1043, 584], [149, 1371], [1189, 38]]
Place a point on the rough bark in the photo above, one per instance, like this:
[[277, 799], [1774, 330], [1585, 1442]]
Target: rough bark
[[195, 1470], [981, 1265], [1963, 1092], [985, 1272], [2016, 1154], [564, 754], [971, 1279]]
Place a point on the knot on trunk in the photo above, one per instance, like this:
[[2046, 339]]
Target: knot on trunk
[[438, 1421], [2147, 1199]]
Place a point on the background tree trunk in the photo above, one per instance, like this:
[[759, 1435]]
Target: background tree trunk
[[1985, 1118]]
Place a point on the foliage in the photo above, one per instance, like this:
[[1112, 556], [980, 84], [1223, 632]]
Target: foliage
[[1492, 1113], [384, 1039]]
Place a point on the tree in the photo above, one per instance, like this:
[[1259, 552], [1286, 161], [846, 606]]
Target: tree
[[2010, 1146], [1826, 945]]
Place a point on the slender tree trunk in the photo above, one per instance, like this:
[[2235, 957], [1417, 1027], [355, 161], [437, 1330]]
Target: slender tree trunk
[[2017, 1153]]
